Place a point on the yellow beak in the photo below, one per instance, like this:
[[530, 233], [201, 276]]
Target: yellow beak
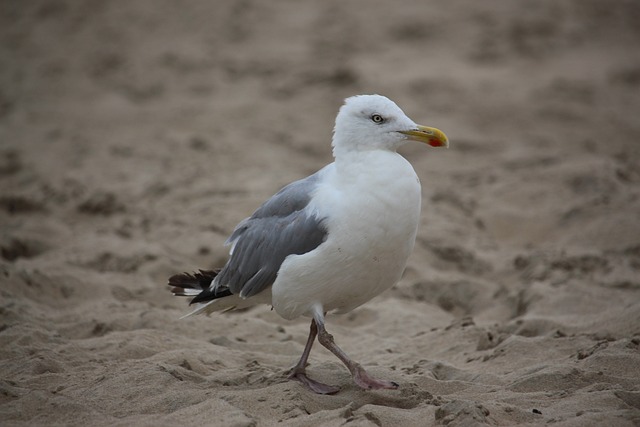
[[431, 136]]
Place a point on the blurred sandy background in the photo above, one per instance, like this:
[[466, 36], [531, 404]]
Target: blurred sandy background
[[135, 135]]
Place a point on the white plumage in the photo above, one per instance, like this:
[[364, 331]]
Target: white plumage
[[372, 209]]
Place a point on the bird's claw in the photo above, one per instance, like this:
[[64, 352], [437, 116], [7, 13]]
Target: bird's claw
[[313, 385], [368, 382]]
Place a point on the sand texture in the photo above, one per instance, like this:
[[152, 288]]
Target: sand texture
[[135, 135]]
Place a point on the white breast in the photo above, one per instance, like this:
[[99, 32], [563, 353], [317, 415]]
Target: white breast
[[372, 210]]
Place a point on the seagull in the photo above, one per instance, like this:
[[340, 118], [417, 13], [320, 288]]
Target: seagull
[[330, 242]]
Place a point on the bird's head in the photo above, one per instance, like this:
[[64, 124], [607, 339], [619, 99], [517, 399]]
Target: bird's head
[[368, 122]]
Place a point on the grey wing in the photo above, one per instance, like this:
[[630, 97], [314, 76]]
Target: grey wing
[[282, 226]]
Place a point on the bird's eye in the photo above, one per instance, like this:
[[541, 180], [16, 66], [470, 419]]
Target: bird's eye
[[377, 118]]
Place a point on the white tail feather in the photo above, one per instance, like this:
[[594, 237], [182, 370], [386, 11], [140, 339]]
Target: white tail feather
[[187, 292], [229, 303]]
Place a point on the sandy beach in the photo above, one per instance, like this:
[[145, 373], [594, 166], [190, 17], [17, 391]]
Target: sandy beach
[[134, 136]]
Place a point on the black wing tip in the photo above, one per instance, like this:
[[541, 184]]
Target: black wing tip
[[210, 294], [184, 285], [200, 280]]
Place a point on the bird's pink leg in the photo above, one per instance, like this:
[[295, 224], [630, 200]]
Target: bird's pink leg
[[360, 376], [298, 372]]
